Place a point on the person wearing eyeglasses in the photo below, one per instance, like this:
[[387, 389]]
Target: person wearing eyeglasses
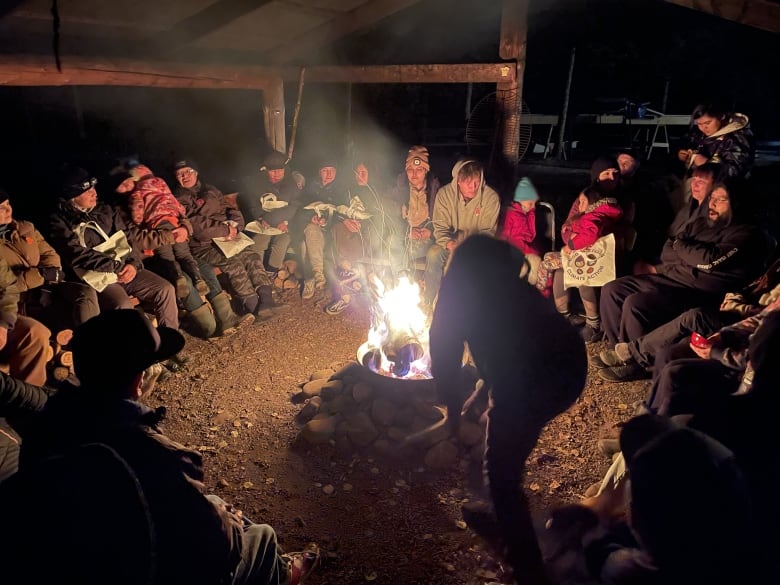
[[80, 228], [212, 216]]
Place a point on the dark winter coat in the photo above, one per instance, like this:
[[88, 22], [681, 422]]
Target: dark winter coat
[[732, 146], [250, 199], [530, 356], [65, 240], [714, 258], [197, 542], [18, 401], [208, 211]]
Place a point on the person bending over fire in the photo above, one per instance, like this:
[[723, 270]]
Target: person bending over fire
[[531, 358]]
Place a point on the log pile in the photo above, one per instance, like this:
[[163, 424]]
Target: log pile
[[287, 278], [62, 362], [356, 409]]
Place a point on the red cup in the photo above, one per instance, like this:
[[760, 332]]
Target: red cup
[[698, 340]]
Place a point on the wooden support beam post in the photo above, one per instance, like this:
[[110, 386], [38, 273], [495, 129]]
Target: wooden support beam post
[[273, 116], [509, 94]]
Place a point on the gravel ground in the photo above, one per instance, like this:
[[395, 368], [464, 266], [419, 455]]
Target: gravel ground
[[376, 520]]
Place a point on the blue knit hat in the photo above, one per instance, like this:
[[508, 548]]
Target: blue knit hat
[[525, 191]]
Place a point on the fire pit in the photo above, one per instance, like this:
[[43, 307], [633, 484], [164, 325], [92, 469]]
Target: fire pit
[[386, 402], [397, 344]]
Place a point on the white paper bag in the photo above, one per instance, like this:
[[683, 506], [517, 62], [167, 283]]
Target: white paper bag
[[592, 266]]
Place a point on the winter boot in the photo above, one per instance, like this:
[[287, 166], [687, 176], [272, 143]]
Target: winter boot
[[268, 306], [227, 321], [250, 303], [202, 322]]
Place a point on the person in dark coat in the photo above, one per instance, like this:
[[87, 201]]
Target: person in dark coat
[[212, 216], [532, 359], [721, 137], [271, 199], [715, 253], [198, 538], [81, 223], [18, 402], [691, 517]]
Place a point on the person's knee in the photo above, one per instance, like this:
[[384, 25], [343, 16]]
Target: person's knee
[[165, 290], [693, 319], [34, 334], [435, 255]]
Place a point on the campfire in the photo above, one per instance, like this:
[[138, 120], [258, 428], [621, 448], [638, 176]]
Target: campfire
[[397, 344], [386, 401]]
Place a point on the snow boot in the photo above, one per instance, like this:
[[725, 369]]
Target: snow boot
[[202, 322], [227, 321]]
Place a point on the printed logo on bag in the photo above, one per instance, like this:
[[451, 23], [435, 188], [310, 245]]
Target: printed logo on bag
[[584, 264], [592, 266]]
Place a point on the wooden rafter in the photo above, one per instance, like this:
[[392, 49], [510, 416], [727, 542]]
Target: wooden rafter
[[361, 17], [37, 71], [211, 18], [761, 14]]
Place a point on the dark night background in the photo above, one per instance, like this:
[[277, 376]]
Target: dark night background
[[624, 49]]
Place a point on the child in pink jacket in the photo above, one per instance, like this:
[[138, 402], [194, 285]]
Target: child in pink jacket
[[595, 213], [153, 206], [519, 227]]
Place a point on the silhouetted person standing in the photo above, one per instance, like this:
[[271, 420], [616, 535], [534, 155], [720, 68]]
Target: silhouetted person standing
[[532, 359]]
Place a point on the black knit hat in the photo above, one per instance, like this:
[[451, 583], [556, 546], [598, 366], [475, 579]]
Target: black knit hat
[[600, 165], [328, 161], [3, 195], [274, 161], [74, 181], [185, 163]]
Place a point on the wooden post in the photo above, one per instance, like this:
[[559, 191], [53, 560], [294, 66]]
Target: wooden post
[[273, 116], [561, 152], [469, 93], [350, 145], [509, 95], [296, 113]]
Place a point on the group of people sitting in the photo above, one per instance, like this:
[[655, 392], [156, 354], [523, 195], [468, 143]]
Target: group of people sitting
[[688, 496], [172, 250]]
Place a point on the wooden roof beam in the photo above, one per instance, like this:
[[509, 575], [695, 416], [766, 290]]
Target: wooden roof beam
[[41, 71], [756, 13], [360, 18], [464, 73]]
